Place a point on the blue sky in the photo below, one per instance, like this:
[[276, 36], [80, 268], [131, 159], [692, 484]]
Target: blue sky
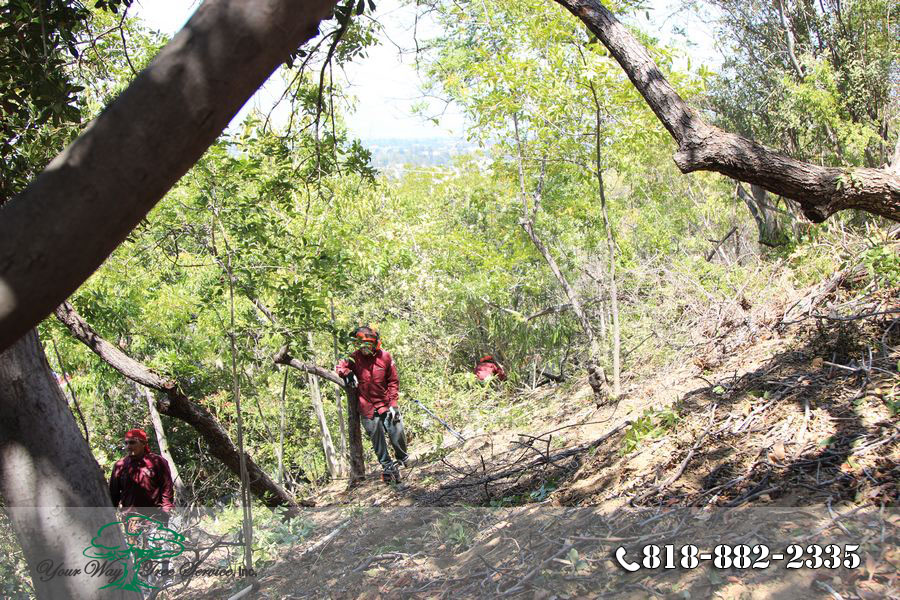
[[387, 80]]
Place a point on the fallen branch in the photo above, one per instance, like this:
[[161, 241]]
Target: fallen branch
[[324, 540], [176, 404], [834, 522], [542, 460], [856, 317]]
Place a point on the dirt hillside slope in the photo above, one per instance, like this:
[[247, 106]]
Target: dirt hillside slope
[[784, 413]]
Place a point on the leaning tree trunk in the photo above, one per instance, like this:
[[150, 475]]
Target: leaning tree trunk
[[176, 404], [596, 375], [332, 461], [357, 460], [820, 191], [56, 496], [164, 446], [73, 215]]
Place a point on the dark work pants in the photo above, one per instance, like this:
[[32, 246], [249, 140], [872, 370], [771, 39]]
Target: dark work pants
[[376, 428]]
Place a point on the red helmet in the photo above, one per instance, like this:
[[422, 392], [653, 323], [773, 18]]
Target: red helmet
[[138, 434], [367, 335]]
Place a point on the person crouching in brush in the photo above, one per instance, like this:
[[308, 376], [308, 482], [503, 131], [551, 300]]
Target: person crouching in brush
[[377, 391]]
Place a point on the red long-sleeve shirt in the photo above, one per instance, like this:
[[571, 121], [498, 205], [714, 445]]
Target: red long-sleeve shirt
[[487, 368], [376, 376], [142, 482]]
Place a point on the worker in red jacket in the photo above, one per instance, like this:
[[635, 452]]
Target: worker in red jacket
[[142, 482], [487, 367], [377, 390]]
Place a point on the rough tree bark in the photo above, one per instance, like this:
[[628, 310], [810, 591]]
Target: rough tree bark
[[820, 191], [73, 215], [55, 493], [164, 447], [177, 405], [357, 461]]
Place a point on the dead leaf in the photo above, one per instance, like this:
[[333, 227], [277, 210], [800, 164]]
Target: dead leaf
[[817, 363], [779, 450]]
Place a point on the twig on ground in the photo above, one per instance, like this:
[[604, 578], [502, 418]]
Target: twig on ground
[[553, 458], [681, 468], [527, 577], [834, 521]]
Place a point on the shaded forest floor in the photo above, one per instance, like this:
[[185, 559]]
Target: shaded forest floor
[[780, 413]]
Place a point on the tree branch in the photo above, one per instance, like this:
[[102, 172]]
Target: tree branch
[[283, 357], [179, 406], [73, 215], [820, 191], [357, 460]]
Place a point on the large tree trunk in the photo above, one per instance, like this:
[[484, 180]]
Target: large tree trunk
[[73, 215], [357, 460], [56, 496], [176, 404], [164, 447], [820, 191]]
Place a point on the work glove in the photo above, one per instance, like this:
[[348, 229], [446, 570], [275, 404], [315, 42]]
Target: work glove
[[349, 379], [393, 415]]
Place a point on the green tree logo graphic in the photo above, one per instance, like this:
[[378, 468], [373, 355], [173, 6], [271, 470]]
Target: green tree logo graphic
[[145, 539]]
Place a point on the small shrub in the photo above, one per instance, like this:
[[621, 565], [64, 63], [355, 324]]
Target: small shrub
[[652, 424]]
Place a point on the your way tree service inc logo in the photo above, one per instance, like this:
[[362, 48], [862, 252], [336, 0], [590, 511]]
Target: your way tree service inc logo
[[146, 540]]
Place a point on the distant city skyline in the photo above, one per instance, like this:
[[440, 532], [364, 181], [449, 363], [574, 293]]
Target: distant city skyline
[[385, 82]]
